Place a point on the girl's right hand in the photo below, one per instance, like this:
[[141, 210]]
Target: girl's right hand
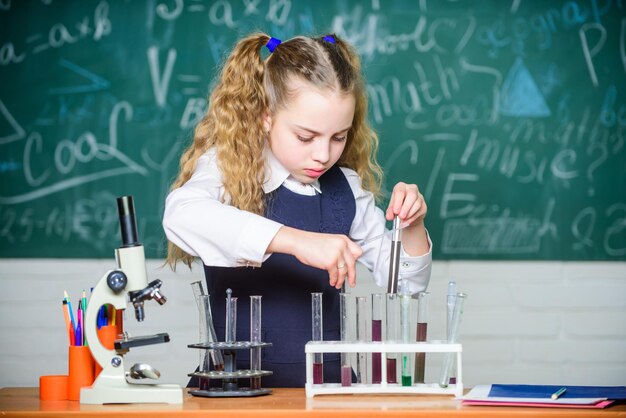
[[334, 253]]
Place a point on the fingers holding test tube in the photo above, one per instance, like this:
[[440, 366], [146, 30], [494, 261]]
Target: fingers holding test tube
[[406, 202]]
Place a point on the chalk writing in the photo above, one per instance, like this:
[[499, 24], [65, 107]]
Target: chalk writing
[[160, 82], [491, 236], [366, 34], [591, 53], [95, 82], [60, 35], [509, 116], [67, 154]]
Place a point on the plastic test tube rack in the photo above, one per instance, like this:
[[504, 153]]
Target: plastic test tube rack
[[313, 347]]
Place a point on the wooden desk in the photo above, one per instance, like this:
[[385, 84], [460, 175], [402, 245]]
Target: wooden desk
[[24, 402]]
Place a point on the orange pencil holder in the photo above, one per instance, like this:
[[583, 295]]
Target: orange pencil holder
[[81, 370], [107, 335], [53, 388]]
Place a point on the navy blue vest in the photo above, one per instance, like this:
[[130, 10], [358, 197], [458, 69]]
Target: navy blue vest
[[286, 285]]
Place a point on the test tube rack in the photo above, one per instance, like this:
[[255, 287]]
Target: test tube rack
[[230, 375], [313, 347]]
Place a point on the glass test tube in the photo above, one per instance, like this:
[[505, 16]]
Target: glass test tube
[[203, 308], [317, 331], [451, 298], [231, 317], [453, 336], [346, 369], [405, 326], [361, 336], [196, 288], [394, 259], [255, 337], [392, 333], [378, 307], [421, 335], [207, 329], [230, 337]]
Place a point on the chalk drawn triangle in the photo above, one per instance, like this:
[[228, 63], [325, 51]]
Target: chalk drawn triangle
[[520, 96], [95, 82], [17, 131]]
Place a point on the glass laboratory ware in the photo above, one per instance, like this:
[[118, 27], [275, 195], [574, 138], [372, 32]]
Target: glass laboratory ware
[[230, 337], [346, 369], [453, 336], [204, 307], [405, 327], [421, 335], [361, 336], [451, 298], [207, 329], [378, 308], [317, 330], [392, 333], [255, 337], [394, 259], [196, 288]]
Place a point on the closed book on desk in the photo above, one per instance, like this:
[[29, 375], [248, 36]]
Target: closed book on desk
[[541, 396]]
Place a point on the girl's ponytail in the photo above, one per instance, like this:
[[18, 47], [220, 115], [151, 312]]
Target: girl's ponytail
[[236, 109], [233, 125]]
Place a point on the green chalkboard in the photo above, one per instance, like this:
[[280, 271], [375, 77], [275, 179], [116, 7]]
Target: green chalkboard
[[509, 115]]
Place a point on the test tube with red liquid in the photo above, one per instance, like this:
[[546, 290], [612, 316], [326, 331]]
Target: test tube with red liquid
[[378, 307], [420, 335], [392, 333], [316, 320]]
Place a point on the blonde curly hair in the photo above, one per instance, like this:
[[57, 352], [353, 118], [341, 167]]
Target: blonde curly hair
[[248, 88]]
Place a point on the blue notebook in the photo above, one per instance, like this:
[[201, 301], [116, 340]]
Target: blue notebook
[[545, 391]]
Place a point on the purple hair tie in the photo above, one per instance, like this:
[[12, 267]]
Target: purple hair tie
[[329, 38], [272, 44]]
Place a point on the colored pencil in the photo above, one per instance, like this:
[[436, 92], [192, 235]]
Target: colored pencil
[[69, 306], [68, 322]]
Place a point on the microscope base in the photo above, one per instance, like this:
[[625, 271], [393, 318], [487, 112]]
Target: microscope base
[[120, 391]]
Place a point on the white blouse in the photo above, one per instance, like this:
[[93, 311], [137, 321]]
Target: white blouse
[[197, 221]]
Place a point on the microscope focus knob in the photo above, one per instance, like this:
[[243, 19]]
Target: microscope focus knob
[[117, 281]]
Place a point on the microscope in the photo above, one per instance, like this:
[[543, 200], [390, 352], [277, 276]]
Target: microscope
[[114, 384]]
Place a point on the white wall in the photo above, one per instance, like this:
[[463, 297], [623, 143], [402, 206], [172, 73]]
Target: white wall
[[539, 322]]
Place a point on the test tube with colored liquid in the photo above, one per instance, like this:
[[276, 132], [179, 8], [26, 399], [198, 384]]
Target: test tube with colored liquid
[[420, 335], [453, 335], [378, 307], [346, 369], [361, 336], [405, 327], [392, 333], [318, 329], [255, 337]]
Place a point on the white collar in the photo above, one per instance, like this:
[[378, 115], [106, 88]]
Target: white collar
[[276, 175]]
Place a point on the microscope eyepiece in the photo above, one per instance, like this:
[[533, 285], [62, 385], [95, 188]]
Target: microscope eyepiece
[[128, 224]]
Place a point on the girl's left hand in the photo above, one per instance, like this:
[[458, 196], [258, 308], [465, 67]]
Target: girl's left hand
[[408, 203]]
